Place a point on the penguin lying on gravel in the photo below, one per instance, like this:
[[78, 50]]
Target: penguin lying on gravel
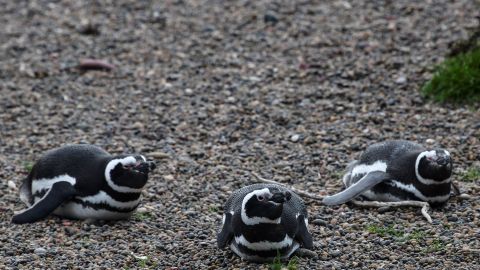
[[397, 171], [83, 182], [262, 219]]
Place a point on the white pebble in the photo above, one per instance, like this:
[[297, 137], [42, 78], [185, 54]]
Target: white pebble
[[295, 138], [188, 91], [430, 141], [11, 185], [401, 80], [142, 210], [168, 177], [40, 251]]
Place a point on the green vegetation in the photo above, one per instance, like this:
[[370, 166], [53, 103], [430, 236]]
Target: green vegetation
[[385, 231], [472, 174], [142, 216], [213, 209], [457, 79], [142, 263], [278, 265], [27, 166], [420, 237], [436, 246], [399, 235]]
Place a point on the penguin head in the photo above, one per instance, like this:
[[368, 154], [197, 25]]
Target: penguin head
[[435, 165], [128, 173], [264, 205]]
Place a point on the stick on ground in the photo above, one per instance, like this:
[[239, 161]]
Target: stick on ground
[[298, 191], [423, 205]]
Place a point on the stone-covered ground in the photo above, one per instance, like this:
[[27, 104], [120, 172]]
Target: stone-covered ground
[[215, 90]]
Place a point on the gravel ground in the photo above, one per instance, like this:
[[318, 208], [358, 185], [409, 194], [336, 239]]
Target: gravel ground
[[215, 91]]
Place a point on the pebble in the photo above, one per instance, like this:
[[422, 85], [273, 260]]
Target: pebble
[[40, 251], [295, 137], [188, 91], [320, 222], [401, 80], [142, 210], [335, 253], [11, 185]]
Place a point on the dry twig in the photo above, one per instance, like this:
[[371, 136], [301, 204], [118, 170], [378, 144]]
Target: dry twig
[[298, 191], [423, 205]]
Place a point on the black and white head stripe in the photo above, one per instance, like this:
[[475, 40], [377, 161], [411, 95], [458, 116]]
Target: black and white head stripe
[[431, 155], [130, 160], [260, 194]]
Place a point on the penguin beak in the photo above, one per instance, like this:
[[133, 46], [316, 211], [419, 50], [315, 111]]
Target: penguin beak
[[280, 197], [145, 167]]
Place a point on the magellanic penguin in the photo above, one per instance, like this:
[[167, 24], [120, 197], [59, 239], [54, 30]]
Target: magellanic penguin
[[83, 182], [263, 220], [397, 171]]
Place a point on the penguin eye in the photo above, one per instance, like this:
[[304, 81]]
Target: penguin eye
[[260, 198], [128, 167]]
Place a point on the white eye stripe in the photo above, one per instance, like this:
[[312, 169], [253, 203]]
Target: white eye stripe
[[111, 165], [256, 220]]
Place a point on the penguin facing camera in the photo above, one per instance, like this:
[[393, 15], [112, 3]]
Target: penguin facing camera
[[83, 182], [397, 171], [263, 220]]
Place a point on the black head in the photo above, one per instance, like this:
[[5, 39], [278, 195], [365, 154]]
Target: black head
[[128, 173], [264, 205], [435, 165]]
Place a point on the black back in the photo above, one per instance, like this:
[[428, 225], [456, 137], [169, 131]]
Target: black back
[[86, 163]]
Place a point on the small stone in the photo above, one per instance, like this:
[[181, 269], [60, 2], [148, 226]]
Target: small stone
[[335, 253], [270, 17], [401, 80], [11, 185], [430, 141], [452, 218], [188, 91], [142, 210], [168, 177], [383, 209], [40, 251], [320, 222], [295, 138]]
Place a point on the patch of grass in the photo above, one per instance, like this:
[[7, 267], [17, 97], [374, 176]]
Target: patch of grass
[[436, 246], [416, 235], [457, 79], [399, 235], [278, 265], [142, 263], [28, 166], [142, 216], [472, 174], [385, 231], [213, 209]]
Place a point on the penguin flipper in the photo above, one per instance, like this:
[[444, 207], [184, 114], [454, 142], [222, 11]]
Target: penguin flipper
[[226, 234], [365, 183], [56, 195], [303, 236]]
